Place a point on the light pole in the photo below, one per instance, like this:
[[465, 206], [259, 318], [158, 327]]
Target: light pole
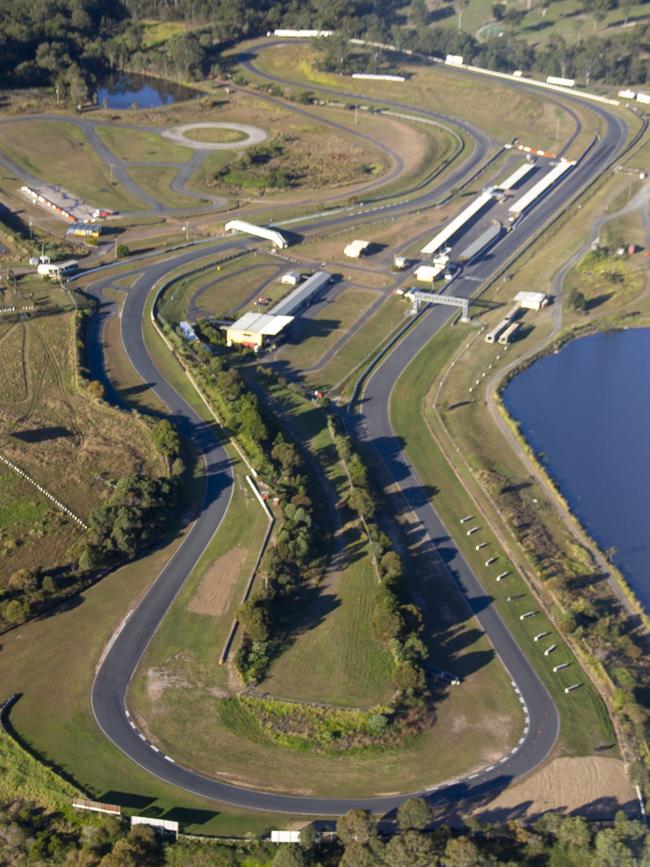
[[30, 230], [112, 166], [186, 230]]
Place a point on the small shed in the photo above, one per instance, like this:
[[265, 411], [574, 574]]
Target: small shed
[[355, 249], [291, 278], [428, 273], [531, 300]]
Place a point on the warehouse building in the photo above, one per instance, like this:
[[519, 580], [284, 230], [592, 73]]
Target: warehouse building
[[303, 295], [256, 330]]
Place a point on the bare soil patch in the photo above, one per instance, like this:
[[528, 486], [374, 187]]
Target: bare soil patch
[[594, 786], [215, 590]]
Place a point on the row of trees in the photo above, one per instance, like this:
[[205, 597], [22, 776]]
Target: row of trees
[[615, 59], [397, 620], [30, 834], [293, 562]]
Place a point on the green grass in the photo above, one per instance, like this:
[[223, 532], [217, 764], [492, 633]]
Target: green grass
[[23, 777], [583, 732], [366, 341], [141, 145], [188, 644], [77, 167], [158, 33], [529, 117], [215, 134], [20, 504], [341, 641], [319, 334], [156, 180]]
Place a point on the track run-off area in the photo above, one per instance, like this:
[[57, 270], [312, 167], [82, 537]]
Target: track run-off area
[[370, 420]]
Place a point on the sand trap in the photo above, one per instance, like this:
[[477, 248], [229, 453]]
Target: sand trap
[[177, 135], [214, 593], [595, 787]]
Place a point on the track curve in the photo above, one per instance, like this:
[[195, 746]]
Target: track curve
[[115, 671]]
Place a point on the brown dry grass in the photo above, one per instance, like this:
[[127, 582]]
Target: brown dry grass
[[595, 786], [73, 446], [213, 593]]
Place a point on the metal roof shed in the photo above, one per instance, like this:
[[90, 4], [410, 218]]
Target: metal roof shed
[[355, 248], [303, 295]]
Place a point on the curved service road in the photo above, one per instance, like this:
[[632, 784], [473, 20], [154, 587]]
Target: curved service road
[[123, 654]]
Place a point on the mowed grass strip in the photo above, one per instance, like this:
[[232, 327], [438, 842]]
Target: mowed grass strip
[[133, 145], [51, 662], [581, 732], [156, 181], [364, 343], [188, 645], [318, 334], [530, 117], [59, 153]]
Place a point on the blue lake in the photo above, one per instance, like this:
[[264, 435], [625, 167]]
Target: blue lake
[[123, 90], [586, 409]]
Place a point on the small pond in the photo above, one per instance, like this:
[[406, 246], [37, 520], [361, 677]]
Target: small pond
[[125, 89], [586, 411]]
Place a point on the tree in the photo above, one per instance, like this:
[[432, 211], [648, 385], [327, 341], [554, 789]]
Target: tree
[[578, 301], [290, 855], [462, 852], [361, 502], [419, 14], [413, 814], [357, 826], [411, 849], [254, 619]]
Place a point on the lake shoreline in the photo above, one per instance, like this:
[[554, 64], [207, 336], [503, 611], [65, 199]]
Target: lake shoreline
[[627, 581]]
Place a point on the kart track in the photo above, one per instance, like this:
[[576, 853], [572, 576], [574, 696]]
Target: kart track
[[371, 421]]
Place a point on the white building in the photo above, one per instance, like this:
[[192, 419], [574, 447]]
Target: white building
[[355, 249], [531, 300], [291, 278]]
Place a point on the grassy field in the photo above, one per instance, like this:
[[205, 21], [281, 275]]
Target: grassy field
[[35, 661], [221, 290], [314, 155], [70, 444], [51, 661], [565, 18], [318, 334], [214, 134], [135, 145], [156, 180], [77, 166], [182, 660], [365, 342], [529, 117]]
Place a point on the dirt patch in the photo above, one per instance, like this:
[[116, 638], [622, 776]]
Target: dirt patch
[[595, 787], [215, 590], [158, 680]]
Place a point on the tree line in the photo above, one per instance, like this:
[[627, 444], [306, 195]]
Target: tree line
[[31, 834]]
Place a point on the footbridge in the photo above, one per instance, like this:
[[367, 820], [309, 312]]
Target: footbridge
[[419, 298]]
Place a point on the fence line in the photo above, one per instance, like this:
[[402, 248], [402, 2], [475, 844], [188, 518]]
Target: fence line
[[45, 493]]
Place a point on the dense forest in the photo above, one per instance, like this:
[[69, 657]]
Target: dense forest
[[69, 44]]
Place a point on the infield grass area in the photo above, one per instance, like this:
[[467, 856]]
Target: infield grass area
[[59, 153]]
